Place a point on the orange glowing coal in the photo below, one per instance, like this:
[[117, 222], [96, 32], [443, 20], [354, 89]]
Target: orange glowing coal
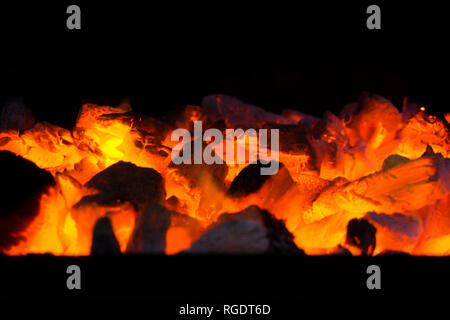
[[371, 161]]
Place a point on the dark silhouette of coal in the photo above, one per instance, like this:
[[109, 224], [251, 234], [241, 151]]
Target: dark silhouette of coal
[[22, 183]]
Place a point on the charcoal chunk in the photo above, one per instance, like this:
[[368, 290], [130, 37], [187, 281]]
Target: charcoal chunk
[[24, 183], [104, 241], [251, 231], [126, 182], [149, 234], [250, 179], [361, 234]]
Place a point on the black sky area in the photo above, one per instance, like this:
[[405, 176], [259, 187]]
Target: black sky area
[[309, 57]]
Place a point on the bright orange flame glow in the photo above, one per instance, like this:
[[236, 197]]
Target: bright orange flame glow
[[177, 239], [315, 203]]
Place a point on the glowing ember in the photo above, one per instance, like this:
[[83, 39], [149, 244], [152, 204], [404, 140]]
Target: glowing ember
[[372, 162]]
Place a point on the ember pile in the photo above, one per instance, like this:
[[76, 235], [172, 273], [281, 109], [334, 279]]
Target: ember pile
[[371, 180]]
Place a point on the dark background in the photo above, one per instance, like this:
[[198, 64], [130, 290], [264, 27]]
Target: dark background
[[312, 56]]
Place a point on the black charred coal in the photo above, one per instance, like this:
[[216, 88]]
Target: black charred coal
[[250, 179], [251, 231], [23, 184], [149, 234], [104, 241], [119, 185], [362, 234], [281, 240], [125, 181]]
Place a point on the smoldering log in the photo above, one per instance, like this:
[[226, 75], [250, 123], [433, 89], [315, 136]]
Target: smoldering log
[[251, 231], [20, 198]]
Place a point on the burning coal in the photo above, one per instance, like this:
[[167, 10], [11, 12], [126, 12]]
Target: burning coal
[[367, 181]]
